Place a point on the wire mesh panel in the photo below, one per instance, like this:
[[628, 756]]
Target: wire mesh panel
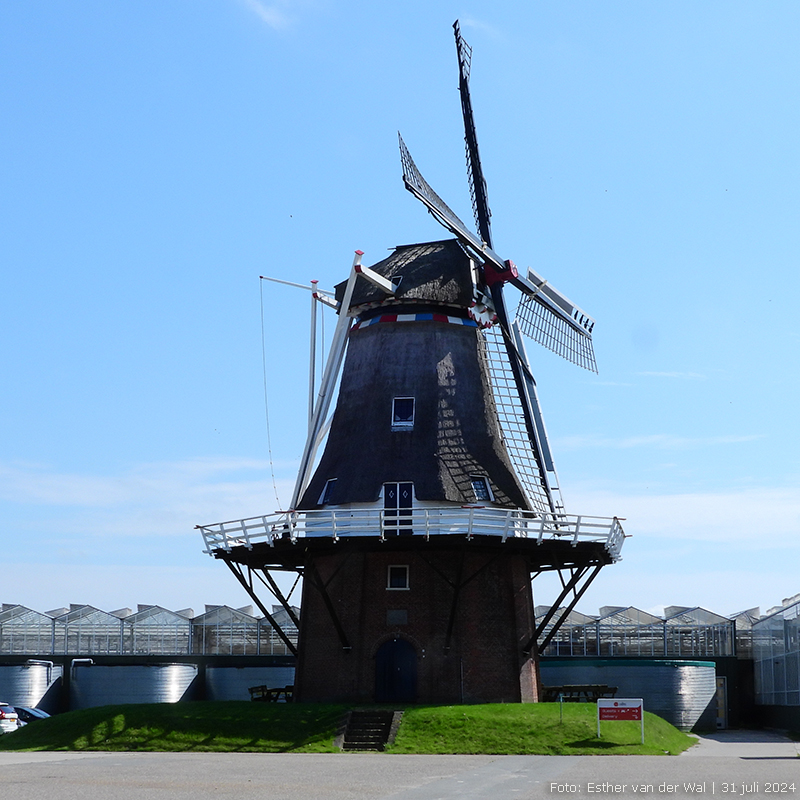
[[549, 329], [525, 460]]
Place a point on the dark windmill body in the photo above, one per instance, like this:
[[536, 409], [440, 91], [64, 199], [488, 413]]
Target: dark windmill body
[[434, 502]]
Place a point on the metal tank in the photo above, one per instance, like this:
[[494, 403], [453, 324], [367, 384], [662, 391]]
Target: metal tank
[[33, 684], [92, 685], [232, 683], [682, 692]]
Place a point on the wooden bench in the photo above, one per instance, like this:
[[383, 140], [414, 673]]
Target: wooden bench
[[265, 694]]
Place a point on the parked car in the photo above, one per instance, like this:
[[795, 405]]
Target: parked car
[[27, 714], [9, 719]]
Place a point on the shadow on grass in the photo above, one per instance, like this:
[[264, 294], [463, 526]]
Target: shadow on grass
[[598, 744], [236, 726]]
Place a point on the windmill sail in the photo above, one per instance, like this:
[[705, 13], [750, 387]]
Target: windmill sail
[[444, 215], [477, 183], [540, 322], [530, 456]]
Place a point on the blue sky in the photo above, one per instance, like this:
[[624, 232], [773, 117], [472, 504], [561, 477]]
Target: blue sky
[[158, 157]]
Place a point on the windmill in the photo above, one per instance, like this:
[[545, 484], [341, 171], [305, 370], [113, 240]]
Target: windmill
[[435, 501]]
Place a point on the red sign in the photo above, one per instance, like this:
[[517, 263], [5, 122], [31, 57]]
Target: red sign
[[627, 708], [620, 713], [619, 709]]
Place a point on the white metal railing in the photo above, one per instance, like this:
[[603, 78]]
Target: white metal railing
[[468, 521]]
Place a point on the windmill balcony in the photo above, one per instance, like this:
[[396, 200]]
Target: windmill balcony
[[468, 521]]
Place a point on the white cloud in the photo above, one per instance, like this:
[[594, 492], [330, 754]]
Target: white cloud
[[272, 15], [116, 540], [681, 375], [480, 25], [659, 441], [113, 586], [756, 519], [165, 498]]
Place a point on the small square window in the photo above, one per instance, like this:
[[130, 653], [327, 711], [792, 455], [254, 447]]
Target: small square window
[[397, 577], [403, 412], [480, 487], [325, 498]]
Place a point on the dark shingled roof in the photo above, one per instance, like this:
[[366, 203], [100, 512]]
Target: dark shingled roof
[[432, 272]]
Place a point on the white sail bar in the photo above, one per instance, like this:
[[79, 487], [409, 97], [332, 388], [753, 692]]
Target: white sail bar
[[468, 521], [329, 377], [539, 487], [313, 288], [538, 321], [312, 355]]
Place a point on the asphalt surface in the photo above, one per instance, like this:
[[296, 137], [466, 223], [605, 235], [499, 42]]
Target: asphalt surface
[[728, 764]]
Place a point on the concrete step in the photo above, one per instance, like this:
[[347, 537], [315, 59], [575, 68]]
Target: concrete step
[[367, 730]]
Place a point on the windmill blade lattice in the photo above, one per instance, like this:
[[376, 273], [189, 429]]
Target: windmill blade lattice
[[552, 331], [543, 495], [477, 183], [419, 187]]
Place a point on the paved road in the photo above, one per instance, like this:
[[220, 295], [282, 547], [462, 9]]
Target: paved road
[[732, 764]]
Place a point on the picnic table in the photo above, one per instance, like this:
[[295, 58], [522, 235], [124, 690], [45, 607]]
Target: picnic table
[[578, 693], [266, 694]]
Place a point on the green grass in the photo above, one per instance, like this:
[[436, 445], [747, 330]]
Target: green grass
[[219, 727], [310, 728], [534, 729]]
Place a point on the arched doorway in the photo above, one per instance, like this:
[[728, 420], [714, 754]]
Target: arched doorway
[[396, 672]]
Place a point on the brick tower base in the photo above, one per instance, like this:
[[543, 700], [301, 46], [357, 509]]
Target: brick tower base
[[410, 620]]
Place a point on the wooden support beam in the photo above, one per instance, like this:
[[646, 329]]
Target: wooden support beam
[[248, 587], [454, 605], [275, 589], [573, 603], [321, 587]]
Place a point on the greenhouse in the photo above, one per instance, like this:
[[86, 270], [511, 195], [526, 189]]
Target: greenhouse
[[576, 636], [86, 629], [227, 631], [155, 630], [24, 631], [627, 631], [776, 653], [696, 632], [151, 630]]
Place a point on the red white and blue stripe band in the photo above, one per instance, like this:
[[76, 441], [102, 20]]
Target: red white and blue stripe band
[[429, 317]]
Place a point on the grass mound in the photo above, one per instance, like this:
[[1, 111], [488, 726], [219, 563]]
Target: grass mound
[[538, 729], [219, 727], [246, 727]]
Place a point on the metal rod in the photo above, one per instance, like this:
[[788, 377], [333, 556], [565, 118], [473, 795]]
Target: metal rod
[[312, 365], [296, 285], [329, 377]]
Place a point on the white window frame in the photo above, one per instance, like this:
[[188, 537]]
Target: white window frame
[[389, 587], [403, 425], [485, 480]]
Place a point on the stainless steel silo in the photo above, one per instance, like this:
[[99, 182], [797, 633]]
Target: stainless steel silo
[[682, 692], [31, 684], [94, 685]]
